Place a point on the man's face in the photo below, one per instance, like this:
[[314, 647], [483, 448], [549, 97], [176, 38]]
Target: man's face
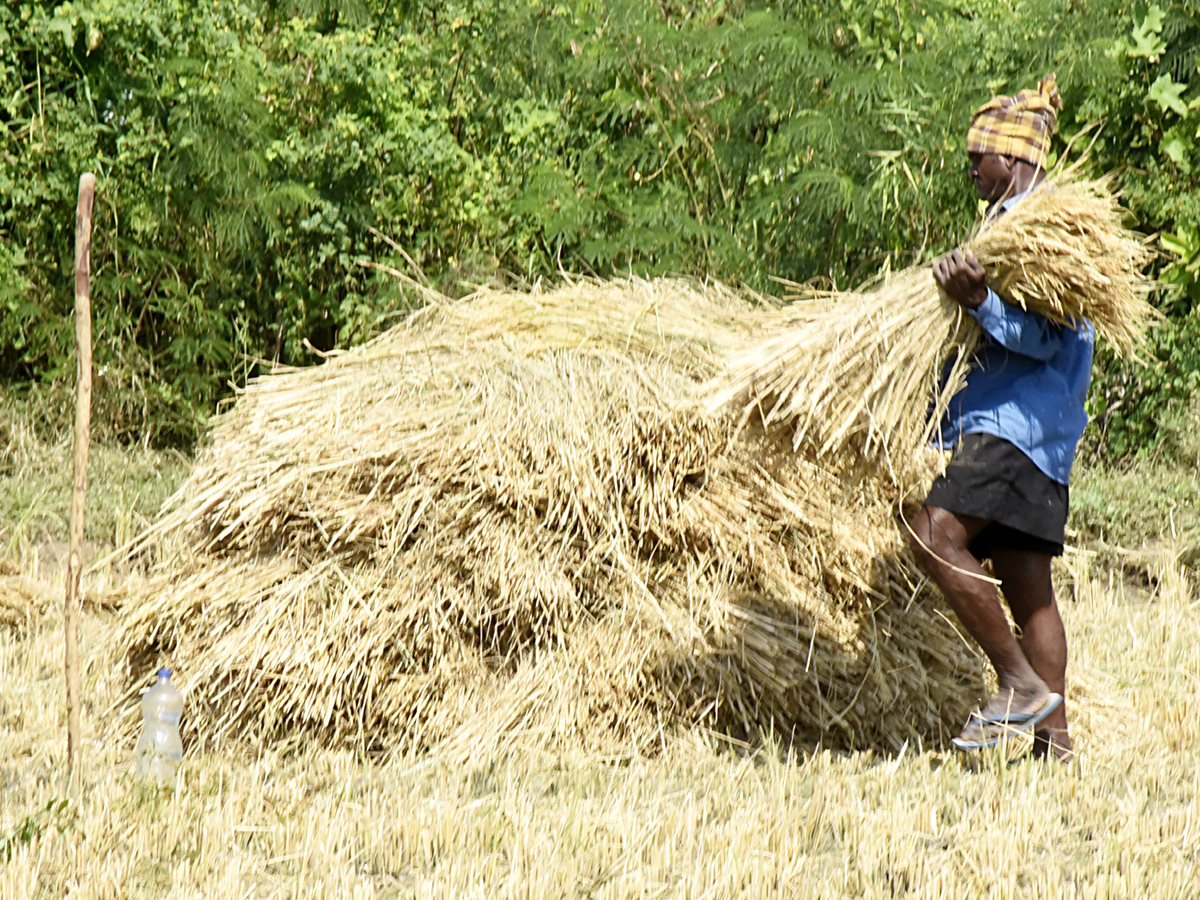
[[992, 175]]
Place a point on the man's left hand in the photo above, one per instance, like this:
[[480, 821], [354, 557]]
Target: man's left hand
[[962, 278]]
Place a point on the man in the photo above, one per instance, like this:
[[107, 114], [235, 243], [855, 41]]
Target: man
[[1014, 429]]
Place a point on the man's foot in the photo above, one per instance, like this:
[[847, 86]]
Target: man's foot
[[1016, 704], [1053, 743], [1005, 716]]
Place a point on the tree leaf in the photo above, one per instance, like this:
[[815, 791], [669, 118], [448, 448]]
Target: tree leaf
[[1146, 41], [1176, 148], [1167, 93]]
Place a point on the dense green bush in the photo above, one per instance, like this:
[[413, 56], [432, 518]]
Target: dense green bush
[[242, 163], [252, 155], [1152, 109]]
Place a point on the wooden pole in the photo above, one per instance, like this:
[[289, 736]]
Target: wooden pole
[[83, 421]]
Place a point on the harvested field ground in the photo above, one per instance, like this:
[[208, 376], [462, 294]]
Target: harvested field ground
[[698, 819]]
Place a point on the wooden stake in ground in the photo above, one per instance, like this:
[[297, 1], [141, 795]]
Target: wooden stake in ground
[[83, 418]]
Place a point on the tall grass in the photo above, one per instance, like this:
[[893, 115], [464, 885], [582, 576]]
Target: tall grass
[[126, 484]]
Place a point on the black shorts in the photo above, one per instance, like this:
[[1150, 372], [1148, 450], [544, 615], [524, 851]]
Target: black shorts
[[989, 478]]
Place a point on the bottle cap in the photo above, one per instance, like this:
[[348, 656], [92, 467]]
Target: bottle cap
[[164, 672]]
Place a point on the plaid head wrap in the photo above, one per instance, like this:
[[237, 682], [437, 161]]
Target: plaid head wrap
[[1019, 126]]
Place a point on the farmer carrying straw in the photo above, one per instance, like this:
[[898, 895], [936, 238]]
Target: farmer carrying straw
[[1014, 429]]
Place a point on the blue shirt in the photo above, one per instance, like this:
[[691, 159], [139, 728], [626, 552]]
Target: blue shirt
[[1027, 384]]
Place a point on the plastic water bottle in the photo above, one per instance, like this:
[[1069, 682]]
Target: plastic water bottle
[[159, 749]]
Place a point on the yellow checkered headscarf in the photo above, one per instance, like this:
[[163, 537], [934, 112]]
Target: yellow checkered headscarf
[[1019, 126]]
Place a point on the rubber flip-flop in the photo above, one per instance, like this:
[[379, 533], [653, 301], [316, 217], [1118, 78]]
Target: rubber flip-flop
[[997, 729]]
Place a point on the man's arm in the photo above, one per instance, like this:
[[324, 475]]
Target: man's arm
[[962, 278]]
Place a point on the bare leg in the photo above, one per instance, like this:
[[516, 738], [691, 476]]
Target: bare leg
[[940, 548], [1027, 585]]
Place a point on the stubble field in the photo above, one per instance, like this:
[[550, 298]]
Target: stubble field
[[702, 818]]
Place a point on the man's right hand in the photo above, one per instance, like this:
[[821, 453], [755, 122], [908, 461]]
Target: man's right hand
[[962, 278]]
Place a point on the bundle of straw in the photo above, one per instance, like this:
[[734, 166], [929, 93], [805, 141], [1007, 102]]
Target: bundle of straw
[[503, 523], [1064, 253], [854, 375], [861, 378]]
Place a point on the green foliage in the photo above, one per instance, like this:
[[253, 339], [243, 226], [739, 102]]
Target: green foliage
[[250, 158], [1148, 92], [241, 166]]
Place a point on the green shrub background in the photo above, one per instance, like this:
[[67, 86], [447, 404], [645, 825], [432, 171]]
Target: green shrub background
[[251, 156]]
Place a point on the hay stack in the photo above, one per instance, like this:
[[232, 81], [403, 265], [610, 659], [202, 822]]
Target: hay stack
[[502, 522], [853, 376]]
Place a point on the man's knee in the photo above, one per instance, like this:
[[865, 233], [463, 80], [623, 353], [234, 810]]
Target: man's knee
[[936, 536], [919, 540]]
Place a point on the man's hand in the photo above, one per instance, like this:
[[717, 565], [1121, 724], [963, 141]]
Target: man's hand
[[962, 278]]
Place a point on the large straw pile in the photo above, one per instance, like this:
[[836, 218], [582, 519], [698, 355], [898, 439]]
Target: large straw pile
[[532, 518], [854, 376], [502, 522]]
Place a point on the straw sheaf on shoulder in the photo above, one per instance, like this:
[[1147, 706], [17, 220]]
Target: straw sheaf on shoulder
[[1063, 251], [854, 376]]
